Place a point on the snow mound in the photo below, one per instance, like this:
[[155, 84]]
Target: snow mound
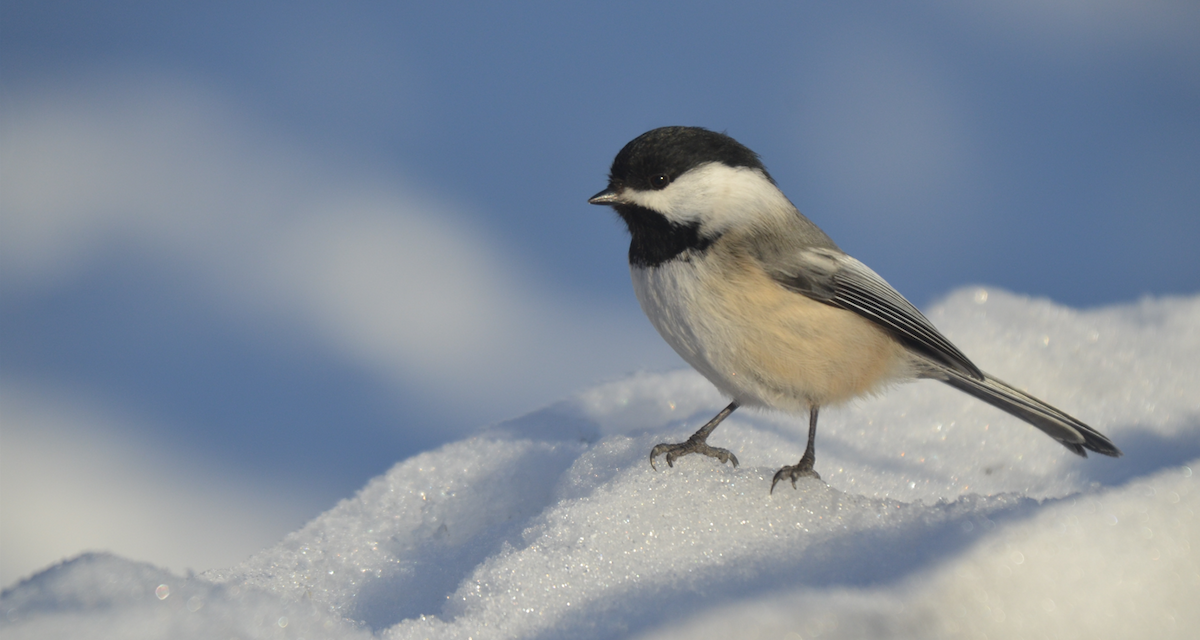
[[942, 517]]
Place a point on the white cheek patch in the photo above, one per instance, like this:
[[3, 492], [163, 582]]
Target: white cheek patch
[[716, 196]]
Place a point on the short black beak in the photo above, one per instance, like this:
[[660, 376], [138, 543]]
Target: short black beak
[[608, 196]]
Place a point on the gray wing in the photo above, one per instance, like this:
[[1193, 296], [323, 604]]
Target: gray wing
[[832, 277], [835, 278]]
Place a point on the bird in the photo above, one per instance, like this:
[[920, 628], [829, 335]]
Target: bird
[[760, 301]]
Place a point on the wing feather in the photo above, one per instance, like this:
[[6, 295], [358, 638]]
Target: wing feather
[[837, 279]]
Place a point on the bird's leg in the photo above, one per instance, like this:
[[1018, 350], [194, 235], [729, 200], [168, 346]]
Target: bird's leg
[[697, 443], [803, 468]]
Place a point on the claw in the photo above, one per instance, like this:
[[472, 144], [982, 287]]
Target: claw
[[676, 451], [697, 444], [794, 473]]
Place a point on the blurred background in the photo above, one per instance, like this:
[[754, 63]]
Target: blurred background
[[253, 254]]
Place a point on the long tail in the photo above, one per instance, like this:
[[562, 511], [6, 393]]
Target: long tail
[[1071, 433]]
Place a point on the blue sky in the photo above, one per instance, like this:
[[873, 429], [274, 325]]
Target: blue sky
[[294, 243]]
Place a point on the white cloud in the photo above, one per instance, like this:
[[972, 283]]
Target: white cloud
[[388, 276], [158, 162], [417, 290]]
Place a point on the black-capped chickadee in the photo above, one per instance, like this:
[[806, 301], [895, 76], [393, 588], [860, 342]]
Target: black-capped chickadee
[[762, 303]]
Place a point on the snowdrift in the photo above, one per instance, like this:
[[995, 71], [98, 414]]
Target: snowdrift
[[938, 516]]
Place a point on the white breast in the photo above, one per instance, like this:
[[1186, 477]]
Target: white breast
[[670, 295], [759, 343]]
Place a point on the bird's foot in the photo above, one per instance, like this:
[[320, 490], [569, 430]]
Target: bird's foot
[[692, 445], [802, 469]]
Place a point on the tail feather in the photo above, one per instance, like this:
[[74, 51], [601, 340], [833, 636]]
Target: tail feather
[[1068, 431]]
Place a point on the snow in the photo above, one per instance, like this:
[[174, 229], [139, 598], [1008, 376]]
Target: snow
[[941, 517]]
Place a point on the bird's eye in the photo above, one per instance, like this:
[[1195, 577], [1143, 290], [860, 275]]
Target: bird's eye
[[659, 181]]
